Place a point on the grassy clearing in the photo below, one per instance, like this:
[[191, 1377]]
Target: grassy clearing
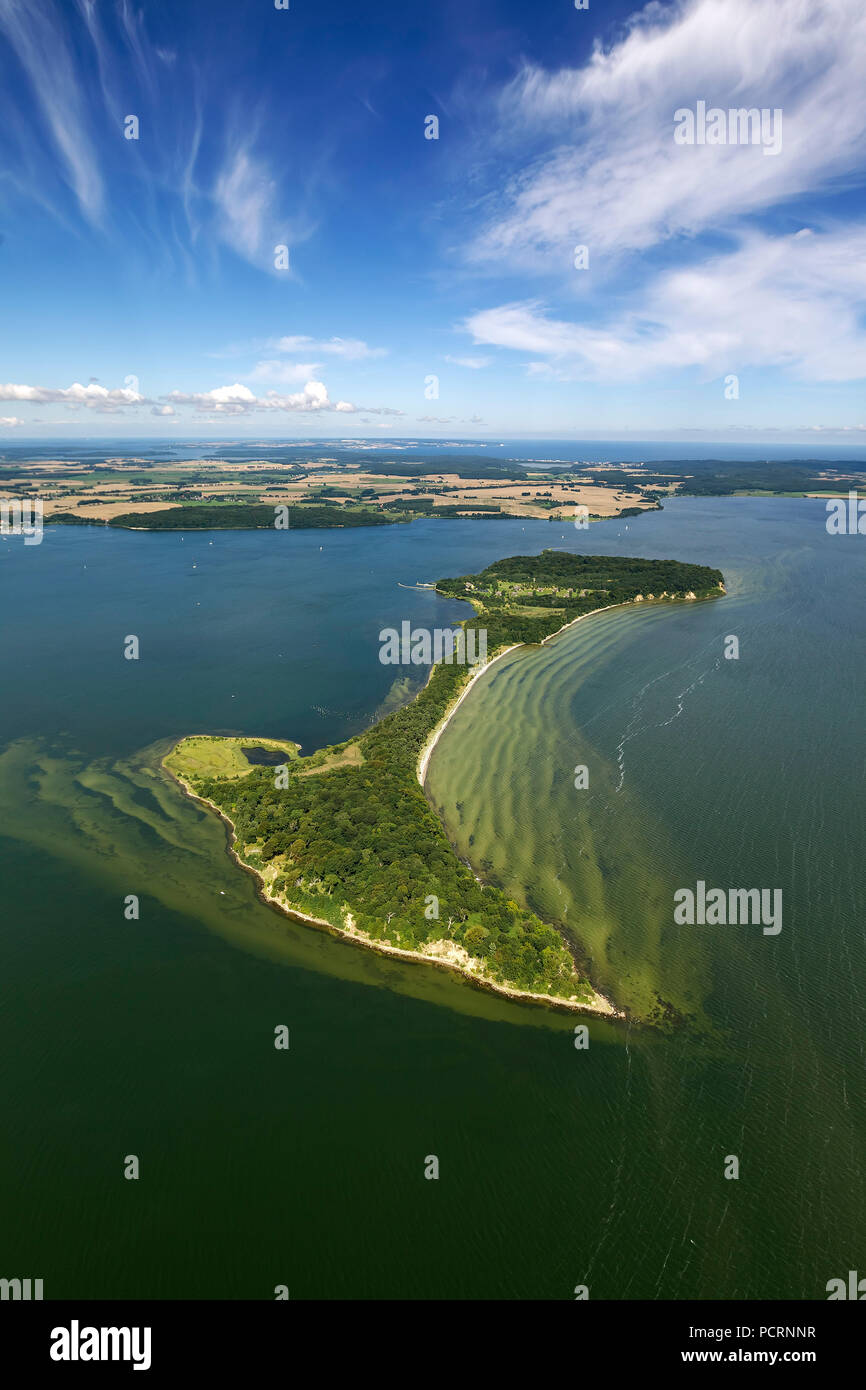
[[348, 756], [210, 756]]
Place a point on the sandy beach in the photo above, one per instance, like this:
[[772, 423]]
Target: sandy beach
[[427, 751]]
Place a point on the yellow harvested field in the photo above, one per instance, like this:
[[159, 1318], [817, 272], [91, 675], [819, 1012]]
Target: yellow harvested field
[[99, 511], [66, 487]]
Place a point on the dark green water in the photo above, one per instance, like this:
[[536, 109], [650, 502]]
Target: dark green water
[[558, 1167]]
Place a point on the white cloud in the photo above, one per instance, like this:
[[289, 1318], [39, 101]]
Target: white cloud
[[226, 400], [244, 193], [36, 35], [353, 349], [617, 181], [450, 420], [10, 421], [286, 372], [475, 363], [239, 399], [236, 399], [793, 302], [93, 396]]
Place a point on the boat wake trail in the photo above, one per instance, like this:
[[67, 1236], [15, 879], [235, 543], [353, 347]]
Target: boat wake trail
[[637, 725]]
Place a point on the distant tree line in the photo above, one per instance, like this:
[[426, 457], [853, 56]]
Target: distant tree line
[[241, 516]]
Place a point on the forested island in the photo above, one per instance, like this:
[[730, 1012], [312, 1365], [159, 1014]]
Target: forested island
[[347, 837], [243, 516]]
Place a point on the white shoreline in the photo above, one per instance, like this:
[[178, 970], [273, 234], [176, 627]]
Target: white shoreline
[[598, 1006], [427, 751], [433, 738]]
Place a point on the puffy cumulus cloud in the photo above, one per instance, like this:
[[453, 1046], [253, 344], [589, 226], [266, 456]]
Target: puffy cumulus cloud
[[10, 421], [236, 399], [352, 349], [593, 155], [226, 400], [313, 397], [93, 396], [239, 400], [795, 302]]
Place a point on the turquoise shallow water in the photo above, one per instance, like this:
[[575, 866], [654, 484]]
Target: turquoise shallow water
[[558, 1167]]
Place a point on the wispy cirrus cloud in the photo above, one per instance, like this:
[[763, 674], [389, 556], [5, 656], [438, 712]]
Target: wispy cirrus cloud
[[286, 372], [203, 166], [245, 194], [793, 302], [450, 420], [347, 349], [352, 349], [38, 37], [586, 155], [610, 174]]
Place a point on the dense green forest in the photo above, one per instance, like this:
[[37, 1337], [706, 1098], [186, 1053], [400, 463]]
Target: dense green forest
[[471, 467], [364, 838], [243, 515], [717, 478], [567, 586]]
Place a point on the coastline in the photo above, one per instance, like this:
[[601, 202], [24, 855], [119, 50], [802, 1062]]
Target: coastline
[[433, 738], [427, 751], [597, 1007]]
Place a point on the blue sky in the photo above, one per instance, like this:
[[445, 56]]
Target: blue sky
[[140, 294]]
